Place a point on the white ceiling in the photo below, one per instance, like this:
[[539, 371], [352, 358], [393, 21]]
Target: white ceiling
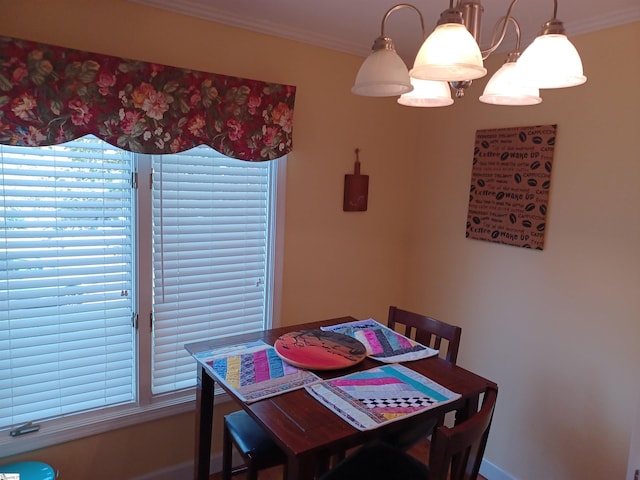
[[351, 25]]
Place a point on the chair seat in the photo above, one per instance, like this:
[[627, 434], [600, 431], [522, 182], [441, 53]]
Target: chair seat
[[30, 470], [258, 450], [378, 462], [251, 440]]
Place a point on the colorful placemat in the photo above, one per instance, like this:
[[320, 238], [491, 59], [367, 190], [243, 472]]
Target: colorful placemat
[[320, 350], [254, 371], [374, 397], [382, 343]]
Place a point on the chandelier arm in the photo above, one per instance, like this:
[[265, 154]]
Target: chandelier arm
[[500, 26], [398, 7], [516, 25], [494, 46]]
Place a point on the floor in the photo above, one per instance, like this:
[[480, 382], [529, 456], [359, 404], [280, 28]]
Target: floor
[[420, 451]]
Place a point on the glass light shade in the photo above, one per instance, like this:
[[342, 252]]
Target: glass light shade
[[449, 54], [551, 61], [383, 74], [427, 93], [503, 88]]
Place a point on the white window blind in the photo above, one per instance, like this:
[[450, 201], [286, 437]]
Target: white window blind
[[66, 298], [211, 230]]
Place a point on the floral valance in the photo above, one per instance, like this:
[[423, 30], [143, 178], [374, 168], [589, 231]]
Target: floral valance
[[51, 95]]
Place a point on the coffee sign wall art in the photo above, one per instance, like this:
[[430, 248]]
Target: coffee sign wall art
[[510, 182]]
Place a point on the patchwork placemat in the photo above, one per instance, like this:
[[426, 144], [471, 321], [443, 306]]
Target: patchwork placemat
[[380, 395], [254, 371], [382, 343]]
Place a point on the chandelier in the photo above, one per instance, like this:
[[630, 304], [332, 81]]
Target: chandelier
[[450, 59]]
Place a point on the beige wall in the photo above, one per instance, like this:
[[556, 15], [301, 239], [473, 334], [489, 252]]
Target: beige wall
[[532, 321], [558, 330]]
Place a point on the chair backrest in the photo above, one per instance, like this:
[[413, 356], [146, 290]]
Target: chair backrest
[[456, 453], [427, 330]]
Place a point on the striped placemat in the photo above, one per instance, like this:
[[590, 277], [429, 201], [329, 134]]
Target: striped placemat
[[374, 397], [254, 371], [382, 343]]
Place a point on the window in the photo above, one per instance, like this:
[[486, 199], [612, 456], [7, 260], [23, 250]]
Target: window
[[66, 289], [211, 243], [101, 284]]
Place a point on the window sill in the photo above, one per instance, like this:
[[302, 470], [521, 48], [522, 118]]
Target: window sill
[[83, 425]]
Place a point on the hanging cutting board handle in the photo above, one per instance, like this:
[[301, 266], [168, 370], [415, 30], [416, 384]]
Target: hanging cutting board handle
[[356, 189], [356, 167]]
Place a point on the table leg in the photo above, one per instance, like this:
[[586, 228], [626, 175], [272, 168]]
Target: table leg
[[301, 468], [469, 409], [204, 424]]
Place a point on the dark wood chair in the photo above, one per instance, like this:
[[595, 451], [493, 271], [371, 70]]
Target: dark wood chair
[[428, 331], [456, 453], [257, 449]]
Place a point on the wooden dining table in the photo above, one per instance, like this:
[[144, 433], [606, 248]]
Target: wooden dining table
[[306, 430]]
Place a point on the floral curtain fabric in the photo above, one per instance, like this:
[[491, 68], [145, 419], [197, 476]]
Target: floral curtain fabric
[[51, 95]]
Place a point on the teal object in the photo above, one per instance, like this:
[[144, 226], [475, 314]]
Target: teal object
[[29, 470]]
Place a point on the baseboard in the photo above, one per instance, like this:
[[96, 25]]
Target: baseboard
[[185, 470], [493, 472]]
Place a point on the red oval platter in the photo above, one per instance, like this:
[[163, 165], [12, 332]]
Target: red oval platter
[[319, 350]]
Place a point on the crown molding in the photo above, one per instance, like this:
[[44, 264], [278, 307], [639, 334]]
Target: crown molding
[[610, 20], [205, 11]]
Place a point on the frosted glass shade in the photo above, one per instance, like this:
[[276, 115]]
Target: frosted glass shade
[[449, 54], [504, 89], [551, 61], [427, 93], [382, 74]]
